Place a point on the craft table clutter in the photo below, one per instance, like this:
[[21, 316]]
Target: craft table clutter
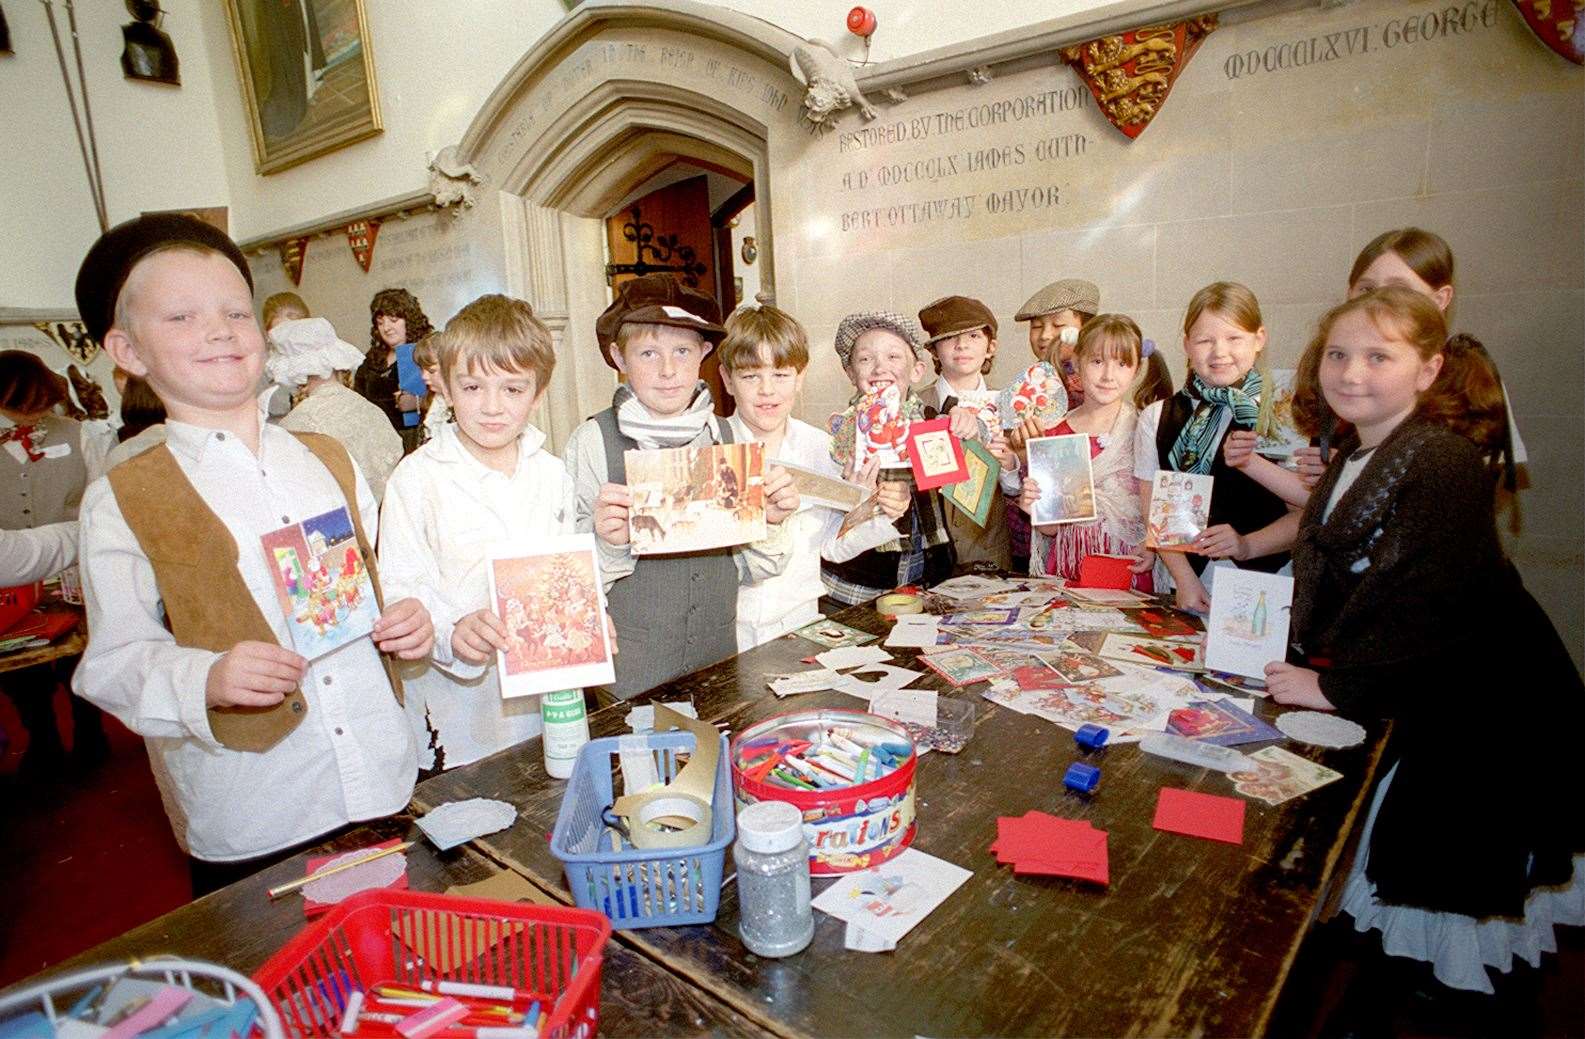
[[1047, 662], [929, 857]]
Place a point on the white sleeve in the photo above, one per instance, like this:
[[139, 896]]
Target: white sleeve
[[32, 555], [95, 439], [872, 533], [133, 667], [408, 566], [765, 558], [1146, 461], [586, 464]]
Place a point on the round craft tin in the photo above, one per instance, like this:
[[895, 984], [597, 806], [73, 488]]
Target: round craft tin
[[850, 828]]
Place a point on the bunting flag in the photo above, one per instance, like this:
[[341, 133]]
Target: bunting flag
[[360, 236], [293, 252], [1131, 73], [1560, 24], [70, 336]]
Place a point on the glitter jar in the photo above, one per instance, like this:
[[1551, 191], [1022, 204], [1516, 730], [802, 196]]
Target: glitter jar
[[772, 857]]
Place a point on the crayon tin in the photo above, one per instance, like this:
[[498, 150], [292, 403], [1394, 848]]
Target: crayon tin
[[851, 827]]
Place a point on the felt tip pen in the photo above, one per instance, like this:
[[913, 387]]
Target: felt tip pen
[[462, 988], [349, 1019], [864, 764]]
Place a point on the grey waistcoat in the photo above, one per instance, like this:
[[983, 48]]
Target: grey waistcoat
[[673, 614]]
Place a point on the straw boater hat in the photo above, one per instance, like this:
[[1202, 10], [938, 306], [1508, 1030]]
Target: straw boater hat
[[308, 347], [658, 299], [1067, 294], [855, 325], [953, 315]]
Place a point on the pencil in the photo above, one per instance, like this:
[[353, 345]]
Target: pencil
[[292, 885]]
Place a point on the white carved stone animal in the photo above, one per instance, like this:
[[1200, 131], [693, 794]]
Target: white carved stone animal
[[830, 86], [451, 180]]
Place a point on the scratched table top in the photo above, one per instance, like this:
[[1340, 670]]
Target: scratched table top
[[240, 927], [1191, 937]]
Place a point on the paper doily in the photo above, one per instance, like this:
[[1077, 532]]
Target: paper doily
[[339, 886], [1320, 730]]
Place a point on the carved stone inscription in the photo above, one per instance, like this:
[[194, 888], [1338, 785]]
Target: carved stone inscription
[[963, 162]]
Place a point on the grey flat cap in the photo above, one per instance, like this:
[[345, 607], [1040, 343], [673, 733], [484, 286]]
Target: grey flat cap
[[1067, 294], [855, 325]]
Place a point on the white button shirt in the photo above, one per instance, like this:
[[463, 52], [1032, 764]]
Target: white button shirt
[[789, 600], [350, 759], [444, 514]]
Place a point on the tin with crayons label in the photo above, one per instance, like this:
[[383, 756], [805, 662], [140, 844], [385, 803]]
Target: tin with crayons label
[[851, 774]]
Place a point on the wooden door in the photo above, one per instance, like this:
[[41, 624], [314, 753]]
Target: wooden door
[[669, 231]]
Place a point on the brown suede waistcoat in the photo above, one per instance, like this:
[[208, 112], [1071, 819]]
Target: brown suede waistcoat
[[207, 603]]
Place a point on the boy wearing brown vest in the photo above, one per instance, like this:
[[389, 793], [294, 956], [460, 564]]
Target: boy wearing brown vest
[[256, 750]]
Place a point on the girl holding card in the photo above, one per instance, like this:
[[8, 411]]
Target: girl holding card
[[1400, 581], [1107, 358], [1224, 338]]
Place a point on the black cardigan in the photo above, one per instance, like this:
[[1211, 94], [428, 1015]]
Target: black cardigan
[[1407, 606]]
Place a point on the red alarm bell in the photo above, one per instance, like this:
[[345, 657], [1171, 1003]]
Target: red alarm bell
[[861, 22]]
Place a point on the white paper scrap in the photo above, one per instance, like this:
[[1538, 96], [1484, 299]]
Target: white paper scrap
[[890, 899], [843, 657], [858, 939], [458, 822], [641, 719], [920, 634], [906, 705]]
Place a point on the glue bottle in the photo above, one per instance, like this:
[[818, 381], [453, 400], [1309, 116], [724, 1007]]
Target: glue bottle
[[566, 729]]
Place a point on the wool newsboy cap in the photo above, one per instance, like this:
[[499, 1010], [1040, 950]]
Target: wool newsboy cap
[[658, 299], [104, 270], [855, 325], [952, 315], [1067, 294]]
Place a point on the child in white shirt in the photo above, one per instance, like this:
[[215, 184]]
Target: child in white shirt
[[484, 481], [763, 358], [256, 750]]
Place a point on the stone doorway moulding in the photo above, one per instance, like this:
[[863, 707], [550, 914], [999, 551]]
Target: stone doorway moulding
[[553, 182]]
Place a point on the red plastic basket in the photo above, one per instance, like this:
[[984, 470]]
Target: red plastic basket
[[549, 954]]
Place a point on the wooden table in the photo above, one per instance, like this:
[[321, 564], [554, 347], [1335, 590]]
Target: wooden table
[[1192, 937], [241, 928]]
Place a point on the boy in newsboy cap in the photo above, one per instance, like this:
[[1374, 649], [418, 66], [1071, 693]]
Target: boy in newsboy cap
[[961, 335], [189, 645], [673, 613]]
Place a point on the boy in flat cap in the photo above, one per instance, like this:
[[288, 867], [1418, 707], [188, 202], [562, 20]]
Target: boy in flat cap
[[674, 613], [879, 350], [1055, 315], [961, 334], [256, 749]]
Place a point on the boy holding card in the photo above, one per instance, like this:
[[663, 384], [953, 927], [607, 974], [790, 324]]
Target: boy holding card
[[763, 358], [237, 725], [483, 482], [962, 339], [882, 352], [674, 613]]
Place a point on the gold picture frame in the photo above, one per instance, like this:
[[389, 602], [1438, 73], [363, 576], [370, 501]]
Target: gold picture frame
[[307, 73]]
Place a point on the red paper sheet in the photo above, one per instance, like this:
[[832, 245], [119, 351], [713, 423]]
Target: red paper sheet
[[1200, 815], [1044, 844]]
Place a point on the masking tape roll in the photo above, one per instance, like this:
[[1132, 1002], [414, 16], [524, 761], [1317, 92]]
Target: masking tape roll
[[686, 817], [895, 604]]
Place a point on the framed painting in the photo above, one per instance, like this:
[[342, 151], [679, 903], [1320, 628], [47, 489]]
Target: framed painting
[[307, 74]]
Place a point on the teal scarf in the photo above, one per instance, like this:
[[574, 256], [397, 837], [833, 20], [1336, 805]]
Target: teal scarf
[[1195, 449]]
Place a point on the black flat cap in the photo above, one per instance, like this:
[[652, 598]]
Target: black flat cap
[[118, 250]]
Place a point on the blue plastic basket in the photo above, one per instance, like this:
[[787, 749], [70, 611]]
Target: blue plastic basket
[[636, 888]]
